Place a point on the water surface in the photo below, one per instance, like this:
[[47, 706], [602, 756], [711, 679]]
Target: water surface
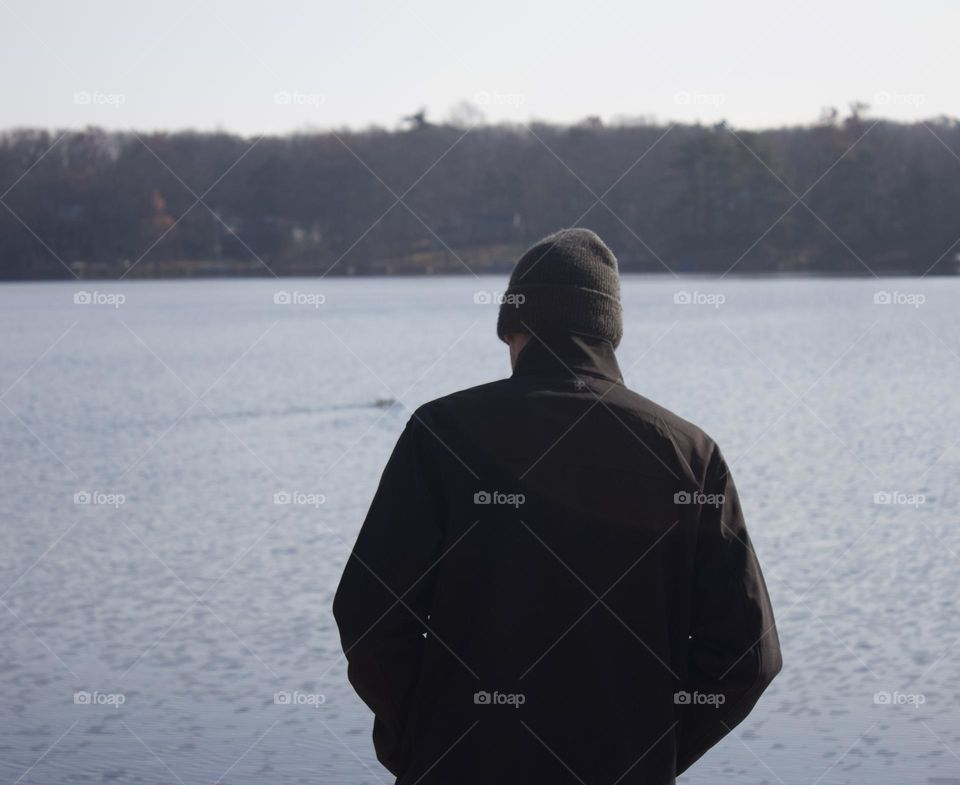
[[198, 598]]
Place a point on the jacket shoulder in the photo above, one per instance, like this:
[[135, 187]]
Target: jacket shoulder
[[688, 442], [692, 445], [462, 400], [669, 420]]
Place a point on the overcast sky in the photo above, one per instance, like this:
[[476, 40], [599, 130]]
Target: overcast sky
[[255, 67]]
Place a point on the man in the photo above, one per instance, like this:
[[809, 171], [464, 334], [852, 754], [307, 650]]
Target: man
[[554, 583]]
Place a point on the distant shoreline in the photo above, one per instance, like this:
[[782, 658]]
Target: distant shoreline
[[626, 275], [846, 196]]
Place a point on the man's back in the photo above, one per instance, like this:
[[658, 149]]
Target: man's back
[[554, 584]]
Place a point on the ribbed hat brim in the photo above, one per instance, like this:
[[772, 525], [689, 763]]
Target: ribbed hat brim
[[536, 308]]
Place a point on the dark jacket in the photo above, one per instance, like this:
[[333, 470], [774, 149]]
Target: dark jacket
[[554, 584]]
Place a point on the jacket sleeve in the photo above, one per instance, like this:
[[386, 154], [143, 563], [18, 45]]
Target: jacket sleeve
[[734, 652], [384, 595]]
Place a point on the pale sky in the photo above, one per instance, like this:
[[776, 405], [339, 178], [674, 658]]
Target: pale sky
[[273, 67]]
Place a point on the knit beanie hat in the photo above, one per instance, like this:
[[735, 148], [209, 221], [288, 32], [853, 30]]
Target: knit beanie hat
[[567, 282]]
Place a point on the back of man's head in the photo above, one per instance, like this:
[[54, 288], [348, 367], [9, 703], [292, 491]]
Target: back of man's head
[[568, 282]]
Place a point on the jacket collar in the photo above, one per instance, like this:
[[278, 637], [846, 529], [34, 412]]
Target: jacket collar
[[568, 354]]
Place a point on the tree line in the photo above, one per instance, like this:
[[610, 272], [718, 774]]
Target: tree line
[[842, 196]]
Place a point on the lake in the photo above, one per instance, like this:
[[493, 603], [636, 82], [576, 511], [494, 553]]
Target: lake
[[186, 464]]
